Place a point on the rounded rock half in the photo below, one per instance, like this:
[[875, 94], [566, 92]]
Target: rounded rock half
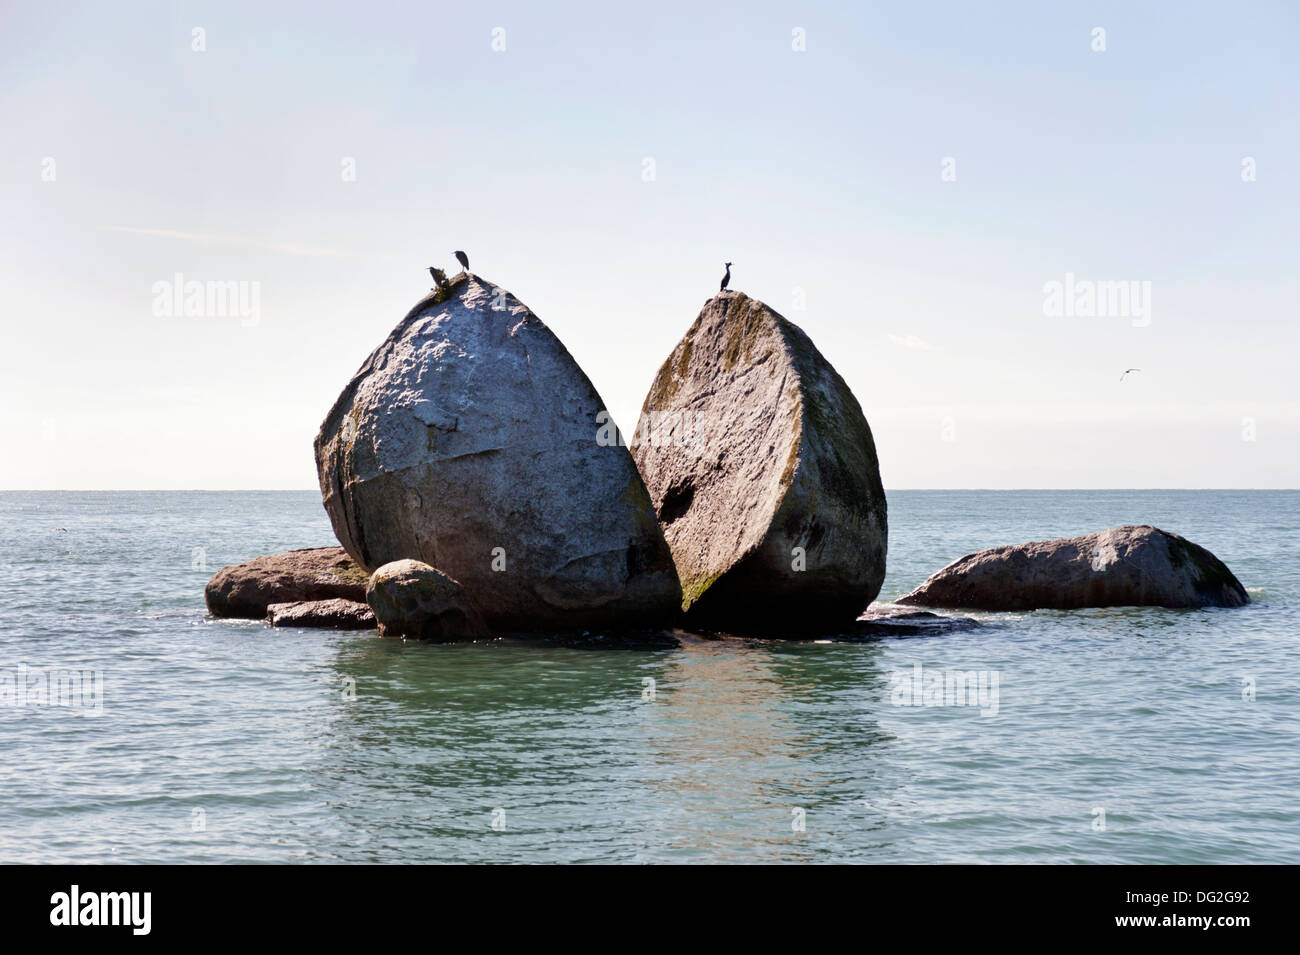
[[469, 440], [764, 475]]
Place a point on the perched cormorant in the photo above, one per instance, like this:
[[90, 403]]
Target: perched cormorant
[[439, 277], [463, 259], [725, 279]]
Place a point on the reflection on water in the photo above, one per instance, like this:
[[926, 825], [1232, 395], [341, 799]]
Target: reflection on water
[[737, 736], [739, 749]]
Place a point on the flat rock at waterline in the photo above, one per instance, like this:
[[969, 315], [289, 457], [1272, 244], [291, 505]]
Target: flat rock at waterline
[[763, 472], [879, 622], [468, 440], [889, 620], [333, 614], [1134, 565], [316, 573]]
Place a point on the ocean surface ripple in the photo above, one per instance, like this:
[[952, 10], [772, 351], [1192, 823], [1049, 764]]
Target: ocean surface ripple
[[1115, 736]]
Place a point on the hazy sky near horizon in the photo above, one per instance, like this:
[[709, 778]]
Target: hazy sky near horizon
[[127, 157]]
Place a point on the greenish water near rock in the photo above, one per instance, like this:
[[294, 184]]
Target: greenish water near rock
[[227, 741]]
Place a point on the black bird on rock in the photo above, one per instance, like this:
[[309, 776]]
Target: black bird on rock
[[725, 279], [439, 277], [463, 259]]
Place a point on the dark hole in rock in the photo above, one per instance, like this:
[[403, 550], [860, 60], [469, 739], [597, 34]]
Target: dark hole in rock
[[677, 501]]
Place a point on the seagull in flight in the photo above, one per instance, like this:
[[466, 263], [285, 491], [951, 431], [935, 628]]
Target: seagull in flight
[[1127, 372]]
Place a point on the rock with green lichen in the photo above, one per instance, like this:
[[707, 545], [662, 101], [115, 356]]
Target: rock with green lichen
[[763, 472], [470, 440], [1134, 565], [316, 573]]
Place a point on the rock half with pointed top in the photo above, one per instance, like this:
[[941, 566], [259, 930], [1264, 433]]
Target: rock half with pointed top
[[1130, 566], [763, 472], [470, 440]]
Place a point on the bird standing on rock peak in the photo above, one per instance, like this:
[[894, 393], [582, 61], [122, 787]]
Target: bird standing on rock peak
[[439, 277], [726, 278], [463, 259]]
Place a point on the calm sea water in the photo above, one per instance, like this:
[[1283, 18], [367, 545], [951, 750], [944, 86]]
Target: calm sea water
[[1120, 735]]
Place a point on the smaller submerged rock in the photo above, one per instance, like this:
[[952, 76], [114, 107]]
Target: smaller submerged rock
[[315, 573], [333, 614], [1130, 566], [412, 599], [885, 620]]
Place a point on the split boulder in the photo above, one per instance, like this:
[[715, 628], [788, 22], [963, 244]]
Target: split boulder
[[470, 440], [763, 473]]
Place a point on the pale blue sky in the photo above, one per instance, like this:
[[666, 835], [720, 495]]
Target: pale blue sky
[[817, 170]]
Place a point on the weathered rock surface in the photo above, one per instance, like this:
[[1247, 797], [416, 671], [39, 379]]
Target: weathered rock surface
[[317, 573], [333, 614], [468, 440], [412, 599], [1134, 565], [752, 447]]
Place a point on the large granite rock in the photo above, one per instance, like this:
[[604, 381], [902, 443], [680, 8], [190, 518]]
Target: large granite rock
[[333, 614], [1135, 565], [469, 440], [411, 599], [763, 472], [317, 573]]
